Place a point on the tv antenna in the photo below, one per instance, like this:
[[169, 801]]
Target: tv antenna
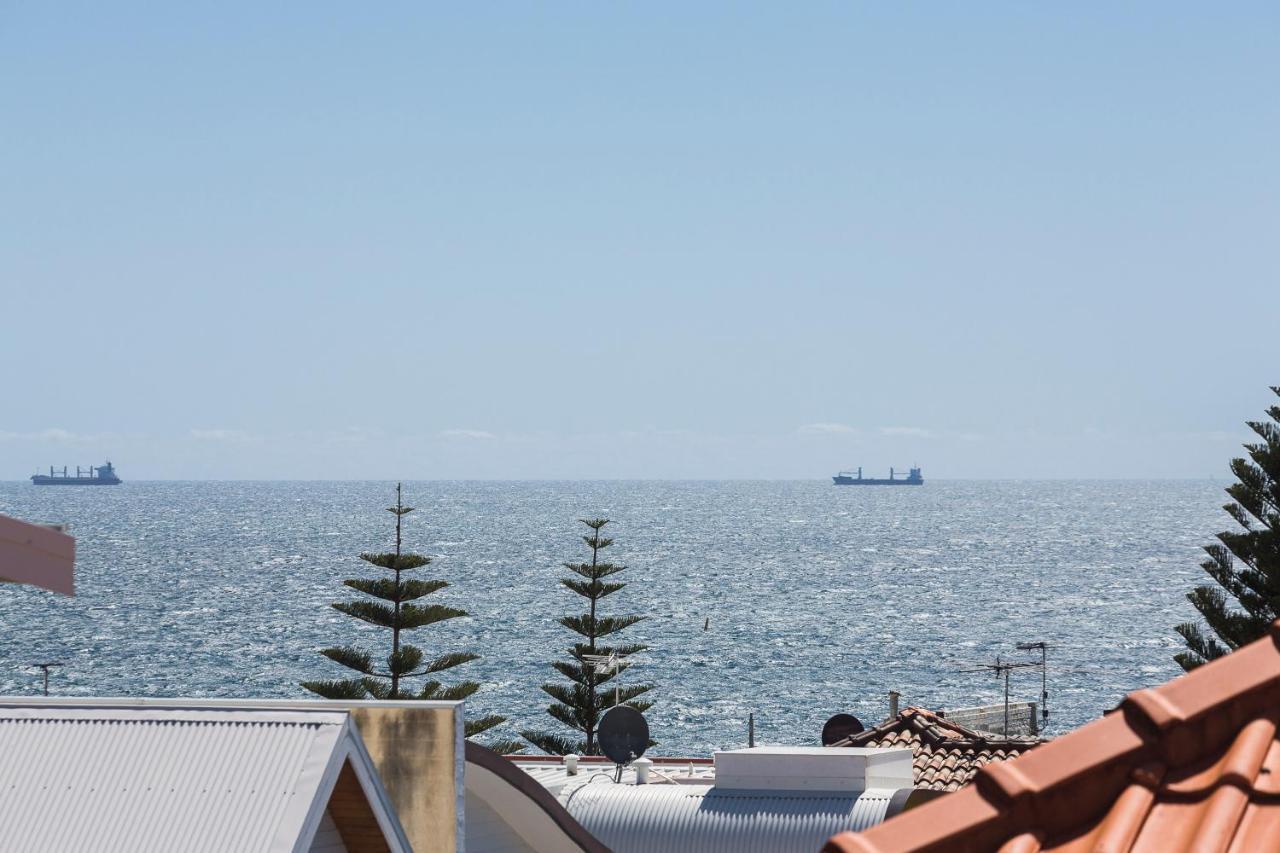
[[1044, 678], [46, 667], [623, 736], [1003, 668], [604, 665]]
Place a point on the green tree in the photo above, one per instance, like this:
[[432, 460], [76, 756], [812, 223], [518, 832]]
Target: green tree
[[1244, 563], [395, 608], [582, 702]]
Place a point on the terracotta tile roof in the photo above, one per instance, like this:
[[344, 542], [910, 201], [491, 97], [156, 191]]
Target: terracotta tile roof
[[1191, 765], [946, 755]]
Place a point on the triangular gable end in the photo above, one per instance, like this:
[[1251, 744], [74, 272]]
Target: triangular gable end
[[352, 812]]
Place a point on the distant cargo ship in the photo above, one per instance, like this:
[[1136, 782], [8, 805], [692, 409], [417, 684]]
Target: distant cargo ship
[[851, 478], [103, 475]]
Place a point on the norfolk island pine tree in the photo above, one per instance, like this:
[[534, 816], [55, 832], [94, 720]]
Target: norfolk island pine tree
[[581, 703], [1245, 563], [395, 609]]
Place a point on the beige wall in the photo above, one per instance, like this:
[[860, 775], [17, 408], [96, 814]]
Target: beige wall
[[417, 748]]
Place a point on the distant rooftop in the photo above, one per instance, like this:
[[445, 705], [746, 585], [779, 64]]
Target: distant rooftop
[[946, 755]]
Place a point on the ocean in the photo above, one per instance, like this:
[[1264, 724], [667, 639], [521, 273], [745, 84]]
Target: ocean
[[814, 599]]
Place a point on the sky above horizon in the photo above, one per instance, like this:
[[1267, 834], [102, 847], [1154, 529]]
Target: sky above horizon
[[576, 240]]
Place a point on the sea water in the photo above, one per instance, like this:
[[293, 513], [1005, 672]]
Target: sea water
[[789, 600]]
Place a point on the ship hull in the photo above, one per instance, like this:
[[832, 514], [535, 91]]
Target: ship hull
[[40, 480], [854, 481]]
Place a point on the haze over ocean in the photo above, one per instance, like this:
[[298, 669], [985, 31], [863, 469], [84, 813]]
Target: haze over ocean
[[821, 599]]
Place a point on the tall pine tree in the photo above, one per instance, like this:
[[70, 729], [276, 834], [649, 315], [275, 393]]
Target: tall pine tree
[[582, 702], [1245, 563], [395, 609]]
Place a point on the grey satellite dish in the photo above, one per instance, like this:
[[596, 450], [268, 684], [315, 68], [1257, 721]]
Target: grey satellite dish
[[623, 734], [840, 727]]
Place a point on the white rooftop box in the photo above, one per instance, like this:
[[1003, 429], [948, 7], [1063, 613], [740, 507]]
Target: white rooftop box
[[813, 768]]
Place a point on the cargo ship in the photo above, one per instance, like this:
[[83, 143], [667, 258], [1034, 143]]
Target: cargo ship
[[855, 478], [102, 475]]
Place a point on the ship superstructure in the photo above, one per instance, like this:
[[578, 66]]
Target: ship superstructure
[[101, 475], [855, 478]]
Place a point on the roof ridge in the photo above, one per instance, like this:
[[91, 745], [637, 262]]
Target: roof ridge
[[925, 722]]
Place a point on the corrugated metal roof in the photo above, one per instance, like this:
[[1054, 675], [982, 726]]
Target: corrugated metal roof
[[139, 779], [645, 818]]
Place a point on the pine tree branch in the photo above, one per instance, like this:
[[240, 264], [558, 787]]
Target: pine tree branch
[[449, 661], [368, 611], [349, 689], [404, 661], [392, 562], [600, 626], [591, 589], [351, 658], [554, 744], [420, 615], [479, 725], [458, 691], [376, 688], [388, 590], [508, 746]]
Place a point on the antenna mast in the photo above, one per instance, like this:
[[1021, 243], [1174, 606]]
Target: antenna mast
[[1044, 678]]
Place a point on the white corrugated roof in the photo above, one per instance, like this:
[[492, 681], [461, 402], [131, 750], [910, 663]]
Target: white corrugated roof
[[645, 818], [143, 777], [772, 799]]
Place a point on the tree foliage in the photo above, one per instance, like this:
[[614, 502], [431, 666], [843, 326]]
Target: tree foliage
[[1244, 563], [581, 702], [395, 609]]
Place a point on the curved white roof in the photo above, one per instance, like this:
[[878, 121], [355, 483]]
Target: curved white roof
[[645, 818]]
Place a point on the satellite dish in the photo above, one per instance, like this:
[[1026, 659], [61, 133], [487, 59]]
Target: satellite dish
[[840, 727], [623, 734]]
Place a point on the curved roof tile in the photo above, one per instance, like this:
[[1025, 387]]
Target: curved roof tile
[[946, 755], [1191, 765]]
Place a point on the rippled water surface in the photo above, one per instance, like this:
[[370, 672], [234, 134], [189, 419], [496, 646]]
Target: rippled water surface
[[820, 599]]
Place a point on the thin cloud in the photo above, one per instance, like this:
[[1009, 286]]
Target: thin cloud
[[475, 434], [55, 434], [906, 432], [826, 429], [232, 435]]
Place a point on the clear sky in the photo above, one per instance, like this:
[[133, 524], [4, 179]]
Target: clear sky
[[597, 240]]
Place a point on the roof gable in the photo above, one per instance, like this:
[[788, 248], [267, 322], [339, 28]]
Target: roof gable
[[151, 778], [945, 755]]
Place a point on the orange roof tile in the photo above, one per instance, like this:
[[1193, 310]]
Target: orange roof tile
[[1191, 765], [946, 755]]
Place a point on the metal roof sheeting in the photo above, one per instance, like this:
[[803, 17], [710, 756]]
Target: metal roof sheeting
[[139, 779], [645, 818]]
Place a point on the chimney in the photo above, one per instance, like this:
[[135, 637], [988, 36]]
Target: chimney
[[893, 703]]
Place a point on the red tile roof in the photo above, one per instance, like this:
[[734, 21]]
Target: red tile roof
[[946, 755], [1191, 765]]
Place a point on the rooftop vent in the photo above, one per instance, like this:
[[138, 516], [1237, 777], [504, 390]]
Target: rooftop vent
[[813, 768]]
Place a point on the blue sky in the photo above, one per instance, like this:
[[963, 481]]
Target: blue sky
[[604, 240]]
